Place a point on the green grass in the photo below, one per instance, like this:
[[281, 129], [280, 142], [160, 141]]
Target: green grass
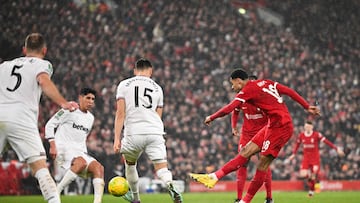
[[279, 197]]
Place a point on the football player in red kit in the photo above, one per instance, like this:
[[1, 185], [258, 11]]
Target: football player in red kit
[[253, 120], [266, 95], [310, 165]]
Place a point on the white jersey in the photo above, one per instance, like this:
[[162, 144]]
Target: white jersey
[[72, 129], [142, 97], [19, 89]]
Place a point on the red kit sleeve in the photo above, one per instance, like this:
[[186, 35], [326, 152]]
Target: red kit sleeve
[[234, 118], [226, 109], [326, 141], [297, 145], [293, 94]]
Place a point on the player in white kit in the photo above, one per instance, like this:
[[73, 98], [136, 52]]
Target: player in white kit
[[21, 82], [68, 144], [139, 111]]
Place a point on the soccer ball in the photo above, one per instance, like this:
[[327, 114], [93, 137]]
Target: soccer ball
[[118, 186]]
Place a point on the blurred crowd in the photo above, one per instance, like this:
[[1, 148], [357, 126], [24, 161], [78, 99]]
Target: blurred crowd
[[194, 45]]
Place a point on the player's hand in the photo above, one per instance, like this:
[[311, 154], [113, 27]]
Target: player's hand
[[287, 161], [117, 145], [314, 110], [235, 132], [71, 106], [53, 151], [340, 152], [207, 120]]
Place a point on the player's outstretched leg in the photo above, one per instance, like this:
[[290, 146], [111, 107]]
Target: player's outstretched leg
[[205, 179], [175, 195], [132, 176], [47, 186], [241, 175], [128, 196]]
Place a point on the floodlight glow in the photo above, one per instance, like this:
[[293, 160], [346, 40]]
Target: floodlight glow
[[242, 11]]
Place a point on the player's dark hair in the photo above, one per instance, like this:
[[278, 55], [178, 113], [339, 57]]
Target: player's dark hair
[[35, 42], [142, 64], [252, 77], [309, 122], [239, 73], [86, 90]]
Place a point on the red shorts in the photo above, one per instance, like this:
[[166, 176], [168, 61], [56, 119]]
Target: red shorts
[[244, 139], [271, 139], [313, 166]]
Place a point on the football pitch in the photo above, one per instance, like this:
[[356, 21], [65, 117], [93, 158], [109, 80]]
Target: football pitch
[[213, 197]]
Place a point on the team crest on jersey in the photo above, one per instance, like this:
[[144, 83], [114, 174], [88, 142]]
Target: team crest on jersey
[[59, 114], [50, 69]]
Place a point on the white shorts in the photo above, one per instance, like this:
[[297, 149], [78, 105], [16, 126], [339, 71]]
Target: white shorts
[[65, 157], [132, 146], [24, 140]]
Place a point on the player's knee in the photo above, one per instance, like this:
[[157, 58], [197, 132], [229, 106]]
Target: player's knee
[[99, 170], [35, 159], [264, 162], [250, 149], [303, 174], [159, 164], [78, 163], [36, 163]]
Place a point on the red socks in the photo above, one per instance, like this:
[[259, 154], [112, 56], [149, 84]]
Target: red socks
[[255, 184], [268, 184], [231, 166], [311, 184], [241, 175]]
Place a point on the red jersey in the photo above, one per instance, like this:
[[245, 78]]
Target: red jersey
[[311, 147], [253, 119], [266, 95]]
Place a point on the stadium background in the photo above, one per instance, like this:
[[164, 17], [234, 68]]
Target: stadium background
[[311, 46]]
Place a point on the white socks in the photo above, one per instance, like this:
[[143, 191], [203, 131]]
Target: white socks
[[213, 176], [165, 175], [47, 186], [66, 180], [132, 177], [98, 184], [98, 189]]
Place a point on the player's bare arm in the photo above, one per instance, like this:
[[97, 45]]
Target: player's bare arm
[[291, 157], [50, 90], [52, 150], [159, 111], [234, 119], [119, 123]]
